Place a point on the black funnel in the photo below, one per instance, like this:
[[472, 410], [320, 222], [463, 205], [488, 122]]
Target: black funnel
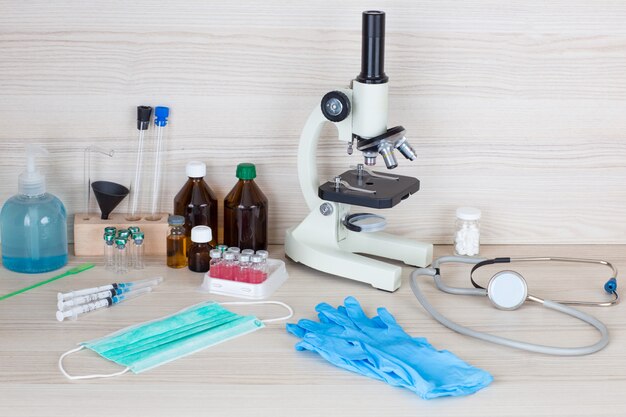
[[109, 195]]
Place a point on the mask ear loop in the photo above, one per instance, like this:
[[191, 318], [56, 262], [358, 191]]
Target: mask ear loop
[[75, 377], [279, 303]]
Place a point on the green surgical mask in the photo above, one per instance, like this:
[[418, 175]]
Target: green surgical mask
[[148, 345]]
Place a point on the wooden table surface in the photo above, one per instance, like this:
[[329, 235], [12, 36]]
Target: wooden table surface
[[261, 374]]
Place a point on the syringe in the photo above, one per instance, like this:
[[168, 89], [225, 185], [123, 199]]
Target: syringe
[[74, 312], [82, 299], [149, 282]]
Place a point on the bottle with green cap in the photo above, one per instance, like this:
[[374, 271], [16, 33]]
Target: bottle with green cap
[[245, 212]]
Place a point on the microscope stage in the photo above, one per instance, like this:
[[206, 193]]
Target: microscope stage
[[389, 192]]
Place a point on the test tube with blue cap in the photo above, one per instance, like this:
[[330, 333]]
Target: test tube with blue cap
[[160, 122]]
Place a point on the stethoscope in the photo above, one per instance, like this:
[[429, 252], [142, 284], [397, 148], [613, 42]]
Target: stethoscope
[[507, 290]]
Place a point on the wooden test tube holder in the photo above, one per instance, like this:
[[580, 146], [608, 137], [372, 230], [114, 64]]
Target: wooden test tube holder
[[89, 231]]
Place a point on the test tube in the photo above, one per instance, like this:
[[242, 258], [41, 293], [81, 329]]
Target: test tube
[[161, 114], [215, 265], [143, 122], [121, 261], [109, 252]]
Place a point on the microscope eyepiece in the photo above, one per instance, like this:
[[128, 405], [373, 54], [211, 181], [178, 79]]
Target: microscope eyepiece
[[373, 48]]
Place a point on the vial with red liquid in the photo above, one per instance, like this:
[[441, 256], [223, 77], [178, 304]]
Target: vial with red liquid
[[243, 274], [258, 270], [229, 268], [234, 250], [215, 265]]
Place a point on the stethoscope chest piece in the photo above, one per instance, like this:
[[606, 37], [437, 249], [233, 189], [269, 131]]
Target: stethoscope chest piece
[[507, 290]]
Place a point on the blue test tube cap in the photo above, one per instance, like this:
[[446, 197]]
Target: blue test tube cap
[[610, 286], [160, 115]]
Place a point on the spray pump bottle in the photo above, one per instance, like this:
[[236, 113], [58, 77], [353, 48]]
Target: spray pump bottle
[[33, 223]]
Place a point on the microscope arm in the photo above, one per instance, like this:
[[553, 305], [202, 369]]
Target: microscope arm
[[307, 151]]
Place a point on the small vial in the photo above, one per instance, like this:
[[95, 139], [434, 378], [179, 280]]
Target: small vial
[[258, 271], [263, 254], [133, 229], [199, 258], [243, 271], [247, 252], [110, 230], [123, 233], [131, 246], [121, 263], [215, 265], [222, 248], [109, 252], [177, 243], [228, 266], [467, 234], [235, 250], [138, 252]]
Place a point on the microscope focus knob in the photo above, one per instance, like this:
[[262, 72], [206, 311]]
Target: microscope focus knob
[[335, 106]]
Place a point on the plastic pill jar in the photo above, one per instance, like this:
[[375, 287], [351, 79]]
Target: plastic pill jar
[[467, 231]]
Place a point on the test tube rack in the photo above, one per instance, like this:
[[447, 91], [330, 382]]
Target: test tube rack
[[89, 229]]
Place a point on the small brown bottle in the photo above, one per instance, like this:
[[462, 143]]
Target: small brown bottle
[[196, 201], [245, 212], [200, 250], [177, 243]]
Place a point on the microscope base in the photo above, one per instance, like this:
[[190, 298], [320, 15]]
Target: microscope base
[[314, 244]]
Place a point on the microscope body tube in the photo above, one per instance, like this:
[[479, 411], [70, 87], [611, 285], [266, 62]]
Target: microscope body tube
[[370, 108], [370, 98]]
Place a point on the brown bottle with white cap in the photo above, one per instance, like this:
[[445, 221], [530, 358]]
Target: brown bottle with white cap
[[200, 250], [196, 201]]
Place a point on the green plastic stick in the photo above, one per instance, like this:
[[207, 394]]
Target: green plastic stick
[[75, 270]]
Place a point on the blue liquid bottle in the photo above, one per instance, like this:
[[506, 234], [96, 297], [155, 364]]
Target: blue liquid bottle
[[33, 224]]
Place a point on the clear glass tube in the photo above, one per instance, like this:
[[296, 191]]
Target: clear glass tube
[[121, 261], [135, 186], [139, 262], [156, 180], [109, 252]]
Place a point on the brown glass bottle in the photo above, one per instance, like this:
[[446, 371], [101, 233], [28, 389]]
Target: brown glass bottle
[[196, 201], [199, 251], [245, 212], [177, 243]]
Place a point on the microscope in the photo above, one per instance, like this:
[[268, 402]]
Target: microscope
[[331, 238]]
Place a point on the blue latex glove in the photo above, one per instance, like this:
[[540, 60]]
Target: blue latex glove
[[381, 349]]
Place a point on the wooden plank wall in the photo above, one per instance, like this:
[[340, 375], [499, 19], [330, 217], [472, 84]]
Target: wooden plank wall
[[515, 107]]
